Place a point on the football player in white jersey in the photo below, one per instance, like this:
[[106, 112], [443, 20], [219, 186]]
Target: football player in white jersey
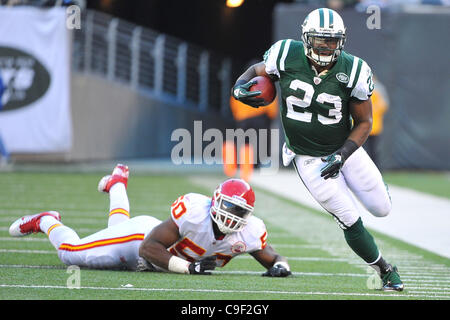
[[202, 233]]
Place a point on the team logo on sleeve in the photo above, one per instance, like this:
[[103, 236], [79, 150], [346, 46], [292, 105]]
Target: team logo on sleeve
[[342, 77], [238, 247]]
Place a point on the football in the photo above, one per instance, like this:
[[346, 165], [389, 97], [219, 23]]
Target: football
[[267, 88]]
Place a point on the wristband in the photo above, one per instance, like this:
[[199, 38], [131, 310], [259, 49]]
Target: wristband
[[347, 149], [178, 265], [239, 82]]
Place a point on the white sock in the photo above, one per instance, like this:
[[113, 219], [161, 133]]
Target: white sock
[[48, 222], [119, 206], [57, 232]]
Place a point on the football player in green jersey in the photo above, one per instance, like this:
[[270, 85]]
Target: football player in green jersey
[[326, 114]]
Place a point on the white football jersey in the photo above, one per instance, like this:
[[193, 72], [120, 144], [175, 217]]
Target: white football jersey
[[191, 214]]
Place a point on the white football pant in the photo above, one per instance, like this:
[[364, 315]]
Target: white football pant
[[358, 175], [116, 247]]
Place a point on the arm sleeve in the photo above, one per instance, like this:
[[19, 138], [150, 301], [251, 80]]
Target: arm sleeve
[[271, 57], [364, 86], [256, 235]]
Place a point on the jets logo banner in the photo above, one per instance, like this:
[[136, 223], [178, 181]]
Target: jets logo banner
[[34, 80]]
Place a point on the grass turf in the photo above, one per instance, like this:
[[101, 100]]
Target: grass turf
[[323, 265]]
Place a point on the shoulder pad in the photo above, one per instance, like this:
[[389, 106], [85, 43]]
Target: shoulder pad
[[191, 207]]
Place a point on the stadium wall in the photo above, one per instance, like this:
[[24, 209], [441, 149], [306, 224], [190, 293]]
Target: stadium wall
[[112, 121]]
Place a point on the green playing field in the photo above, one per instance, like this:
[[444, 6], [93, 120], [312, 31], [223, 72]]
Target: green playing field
[[323, 266]]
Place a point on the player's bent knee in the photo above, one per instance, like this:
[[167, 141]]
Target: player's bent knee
[[381, 209]]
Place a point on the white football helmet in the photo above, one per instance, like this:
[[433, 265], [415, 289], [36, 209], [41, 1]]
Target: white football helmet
[[323, 36]]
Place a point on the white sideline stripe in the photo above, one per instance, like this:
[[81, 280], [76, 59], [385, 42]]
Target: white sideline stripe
[[31, 267], [301, 258], [309, 274], [24, 239], [387, 294], [322, 274], [67, 221], [431, 267], [295, 246], [420, 281], [436, 292], [238, 257], [319, 274], [411, 277], [415, 276], [28, 251], [425, 285], [430, 288], [79, 230]]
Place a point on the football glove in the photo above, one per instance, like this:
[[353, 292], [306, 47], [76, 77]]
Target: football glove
[[200, 266], [241, 92], [278, 270], [335, 161], [334, 164]]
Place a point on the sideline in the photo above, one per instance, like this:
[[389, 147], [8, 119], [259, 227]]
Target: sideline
[[417, 218]]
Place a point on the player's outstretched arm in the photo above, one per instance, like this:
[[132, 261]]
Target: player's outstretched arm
[[154, 250], [276, 265]]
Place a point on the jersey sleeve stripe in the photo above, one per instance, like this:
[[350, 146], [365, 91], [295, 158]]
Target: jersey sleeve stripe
[[271, 57], [353, 72], [280, 51], [358, 70], [284, 55]]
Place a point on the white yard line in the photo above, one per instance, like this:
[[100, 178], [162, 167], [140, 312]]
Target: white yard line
[[264, 292], [25, 239], [27, 251]]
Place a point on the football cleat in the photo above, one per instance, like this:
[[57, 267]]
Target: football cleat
[[119, 174], [30, 224], [391, 280]]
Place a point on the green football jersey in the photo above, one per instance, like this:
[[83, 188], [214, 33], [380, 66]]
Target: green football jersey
[[315, 108]]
